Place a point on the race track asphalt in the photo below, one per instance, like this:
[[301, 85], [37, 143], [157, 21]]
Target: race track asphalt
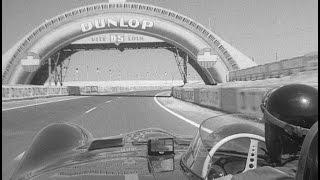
[[100, 115]]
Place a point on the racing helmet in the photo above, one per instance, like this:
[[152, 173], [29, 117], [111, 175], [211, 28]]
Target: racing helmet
[[289, 112]]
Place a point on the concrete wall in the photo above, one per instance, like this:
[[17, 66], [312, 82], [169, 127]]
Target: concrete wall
[[286, 67], [229, 99], [29, 92], [91, 90]]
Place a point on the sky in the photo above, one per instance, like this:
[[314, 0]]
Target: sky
[[261, 29]]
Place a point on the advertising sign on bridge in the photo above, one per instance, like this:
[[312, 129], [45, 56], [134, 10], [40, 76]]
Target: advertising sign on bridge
[[117, 38], [207, 59], [31, 62]]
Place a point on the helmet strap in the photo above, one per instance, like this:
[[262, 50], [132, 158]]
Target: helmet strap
[[288, 128]]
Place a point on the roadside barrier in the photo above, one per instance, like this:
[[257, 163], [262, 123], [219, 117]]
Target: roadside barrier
[[277, 69], [228, 99], [91, 90], [73, 90], [209, 97], [19, 92], [249, 100], [188, 95], [94, 89], [177, 92], [26, 92]]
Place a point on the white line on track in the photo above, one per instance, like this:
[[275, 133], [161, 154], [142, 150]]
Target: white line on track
[[90, 110], [179, 116], [107, 101], [19, 156], [47, 102]]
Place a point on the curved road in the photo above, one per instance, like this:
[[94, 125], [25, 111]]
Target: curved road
[[101, 115]]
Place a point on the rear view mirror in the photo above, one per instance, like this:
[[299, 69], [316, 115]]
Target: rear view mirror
[[159, 147]]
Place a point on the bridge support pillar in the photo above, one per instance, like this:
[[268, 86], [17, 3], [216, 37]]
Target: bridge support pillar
[[185, 69], [182, 65], [49, 71]]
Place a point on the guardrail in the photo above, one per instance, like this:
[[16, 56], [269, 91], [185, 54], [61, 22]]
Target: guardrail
[[277, 69]]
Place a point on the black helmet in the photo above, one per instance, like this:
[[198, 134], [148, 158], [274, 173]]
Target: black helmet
[[289, 112]]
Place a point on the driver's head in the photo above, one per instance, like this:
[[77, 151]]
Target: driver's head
[[288, 112]]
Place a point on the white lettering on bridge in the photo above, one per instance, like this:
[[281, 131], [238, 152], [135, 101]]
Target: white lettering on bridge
[[110, 23], [117, 38]]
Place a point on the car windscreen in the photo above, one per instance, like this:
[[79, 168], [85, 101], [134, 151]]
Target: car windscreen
[[212, 131]]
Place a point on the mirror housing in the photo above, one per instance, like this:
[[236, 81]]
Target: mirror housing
[[160, 147]]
